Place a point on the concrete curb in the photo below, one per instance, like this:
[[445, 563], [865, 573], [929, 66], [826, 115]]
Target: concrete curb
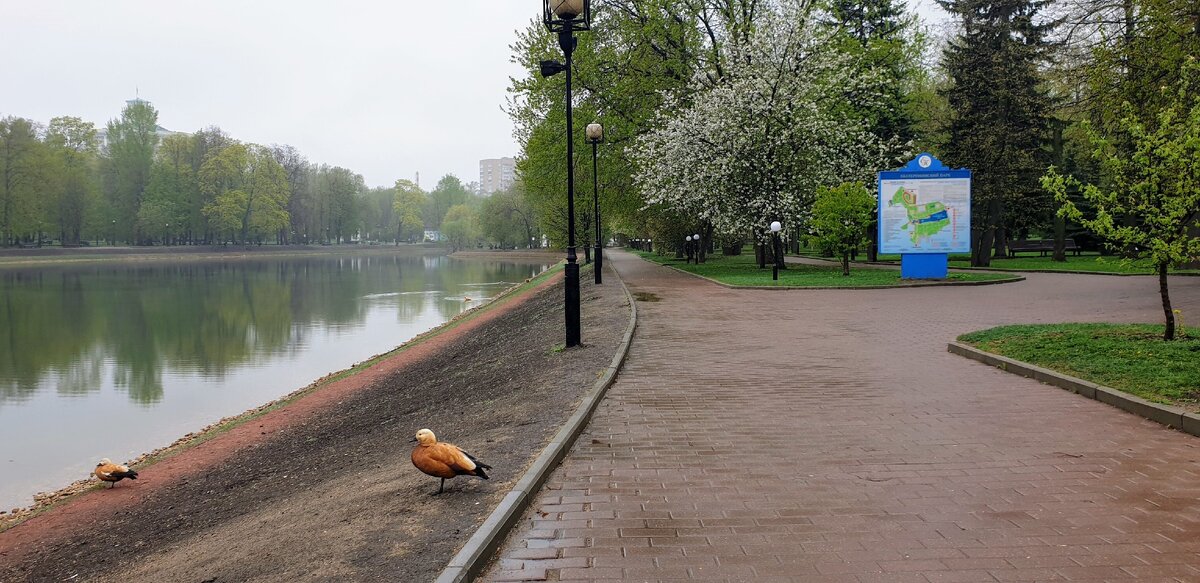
[[1173, 417], [1012, 279], [478, 551]]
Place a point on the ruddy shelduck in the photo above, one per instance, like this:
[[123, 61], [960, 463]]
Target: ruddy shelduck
[[113, 473], [444, 460]]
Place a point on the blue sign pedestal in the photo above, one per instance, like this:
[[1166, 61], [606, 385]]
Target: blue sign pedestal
[[924, 265]]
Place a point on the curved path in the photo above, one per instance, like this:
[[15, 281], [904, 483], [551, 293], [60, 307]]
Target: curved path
[[829, 436]]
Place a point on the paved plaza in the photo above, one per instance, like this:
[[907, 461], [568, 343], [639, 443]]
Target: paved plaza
[[758, 435]]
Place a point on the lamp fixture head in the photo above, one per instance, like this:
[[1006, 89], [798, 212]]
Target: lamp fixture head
[[775, 226], [566, 16], [551, 68], [687, 238], [594, 132]]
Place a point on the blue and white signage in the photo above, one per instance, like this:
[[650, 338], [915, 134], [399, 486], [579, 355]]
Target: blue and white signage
[[924, 215], [925, 207]]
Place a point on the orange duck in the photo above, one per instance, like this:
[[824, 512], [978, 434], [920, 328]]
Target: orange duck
[[113, 473], [444, 460]]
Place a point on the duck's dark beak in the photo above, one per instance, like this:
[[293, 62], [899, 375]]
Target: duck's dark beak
[[413, 440]]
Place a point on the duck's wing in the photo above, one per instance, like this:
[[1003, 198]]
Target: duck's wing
[[426, 459]]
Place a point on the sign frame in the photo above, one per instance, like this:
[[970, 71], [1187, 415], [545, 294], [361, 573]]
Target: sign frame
[[916, 264]]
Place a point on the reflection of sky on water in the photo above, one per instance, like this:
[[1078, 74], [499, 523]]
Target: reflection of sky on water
[[60, 410]]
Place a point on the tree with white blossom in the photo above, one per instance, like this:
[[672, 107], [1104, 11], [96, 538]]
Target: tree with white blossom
[[755, 146]]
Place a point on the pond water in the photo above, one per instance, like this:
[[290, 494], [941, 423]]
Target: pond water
[[116, 359]]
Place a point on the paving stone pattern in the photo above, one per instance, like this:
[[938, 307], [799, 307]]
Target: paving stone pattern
[[818, 436]]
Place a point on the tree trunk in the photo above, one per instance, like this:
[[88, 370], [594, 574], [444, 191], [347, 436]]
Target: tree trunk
[[1060, 222], [873, 242], [1001, 243], [587, 255], [1169, 333], [845, 263], [981, 255], [760, 255], [1060, 238]]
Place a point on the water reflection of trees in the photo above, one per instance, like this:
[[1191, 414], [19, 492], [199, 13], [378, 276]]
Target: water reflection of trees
[[62, 325]]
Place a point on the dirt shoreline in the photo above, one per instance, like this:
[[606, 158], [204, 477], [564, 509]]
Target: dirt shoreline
[[322, 487]]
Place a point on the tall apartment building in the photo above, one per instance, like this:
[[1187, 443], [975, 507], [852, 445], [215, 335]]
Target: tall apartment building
[[495, 174]]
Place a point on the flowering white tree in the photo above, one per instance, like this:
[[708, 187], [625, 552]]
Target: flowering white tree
[[754, 146]]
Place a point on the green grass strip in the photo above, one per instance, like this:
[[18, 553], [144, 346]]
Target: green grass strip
[[1130, 357], [742, 270]]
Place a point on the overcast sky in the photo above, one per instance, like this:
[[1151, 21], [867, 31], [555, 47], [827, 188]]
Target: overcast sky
[[386, 89]]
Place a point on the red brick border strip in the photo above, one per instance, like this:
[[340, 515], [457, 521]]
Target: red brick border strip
[[1171, 416], [475, 554]]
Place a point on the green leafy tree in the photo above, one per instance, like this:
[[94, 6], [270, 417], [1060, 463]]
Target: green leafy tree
[[507, 219], [407, 206], [300, 205], [336, 191], [449, 192], [461, 227], [1000, 110], [887, 45], [376, 214], [173, 183], [129, 157], [840, 217], [22, 175], [249, 191], [1158, 186], [72, 142]]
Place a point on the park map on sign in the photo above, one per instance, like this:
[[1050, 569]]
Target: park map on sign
[[924, 220]]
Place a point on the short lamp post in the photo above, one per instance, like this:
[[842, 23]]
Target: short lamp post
[[566, 17], [167, 234], [112, 242], [696, 245], [595, 133], [775, 227], [687, 248]]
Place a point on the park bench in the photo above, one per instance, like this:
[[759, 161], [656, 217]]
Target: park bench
[[1043, 245]]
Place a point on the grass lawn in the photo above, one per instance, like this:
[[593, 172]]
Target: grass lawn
[[742, 270], [1129, 357], [1090, 263]]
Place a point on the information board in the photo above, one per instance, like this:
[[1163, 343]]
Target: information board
[[925, 208]]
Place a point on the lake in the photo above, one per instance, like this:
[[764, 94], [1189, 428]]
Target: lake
[[119, 358]]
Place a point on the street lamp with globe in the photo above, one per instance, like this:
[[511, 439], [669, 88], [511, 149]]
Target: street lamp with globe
[[595, 133], [566, 17], [775, 227]]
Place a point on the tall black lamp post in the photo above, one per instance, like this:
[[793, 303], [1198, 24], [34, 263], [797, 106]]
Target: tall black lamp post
[[775, 227], [565, 17], [595, 133], [696, 245]]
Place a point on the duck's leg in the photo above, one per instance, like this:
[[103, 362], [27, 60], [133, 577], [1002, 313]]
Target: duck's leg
[[441, 486]]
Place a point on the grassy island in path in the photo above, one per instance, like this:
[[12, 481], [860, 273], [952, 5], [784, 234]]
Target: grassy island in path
[[1129, 357], [741, 270]]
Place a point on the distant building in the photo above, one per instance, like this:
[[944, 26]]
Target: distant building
[[102, 130], [495, 174]]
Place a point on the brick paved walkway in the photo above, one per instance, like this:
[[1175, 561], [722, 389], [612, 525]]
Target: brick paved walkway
[[829, 436]]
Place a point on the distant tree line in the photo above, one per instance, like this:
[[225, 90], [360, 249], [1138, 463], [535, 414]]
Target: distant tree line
[[58, 182]]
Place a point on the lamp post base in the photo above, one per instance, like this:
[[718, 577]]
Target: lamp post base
[[599, 264], [572, 297]]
